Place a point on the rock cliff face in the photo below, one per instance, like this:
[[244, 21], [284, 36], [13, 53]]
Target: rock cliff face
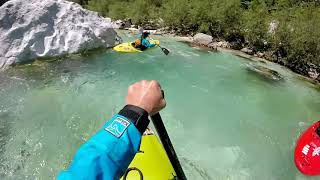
[[37, 28]]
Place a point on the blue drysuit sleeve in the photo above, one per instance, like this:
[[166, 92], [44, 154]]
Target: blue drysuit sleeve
[[107, 154], [146, 43]]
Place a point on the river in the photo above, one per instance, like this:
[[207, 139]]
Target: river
[[224, 121]]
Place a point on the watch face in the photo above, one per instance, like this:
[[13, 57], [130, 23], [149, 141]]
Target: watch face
[[118, 126]]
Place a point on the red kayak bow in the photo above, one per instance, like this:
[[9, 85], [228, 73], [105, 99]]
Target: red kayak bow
[[307, 152]]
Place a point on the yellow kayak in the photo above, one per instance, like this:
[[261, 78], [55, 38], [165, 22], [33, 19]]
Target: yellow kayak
[[151, 162], [128, 48]]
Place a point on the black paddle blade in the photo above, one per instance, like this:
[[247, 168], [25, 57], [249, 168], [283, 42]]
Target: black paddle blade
[[165, 51]]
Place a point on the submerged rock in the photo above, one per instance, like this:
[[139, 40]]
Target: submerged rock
[[36, 28], [264, 72]]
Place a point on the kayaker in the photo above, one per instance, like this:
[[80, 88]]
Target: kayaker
[[109, 152], [143, 43]]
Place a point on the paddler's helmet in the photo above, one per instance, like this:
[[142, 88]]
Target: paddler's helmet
[[145, 34]]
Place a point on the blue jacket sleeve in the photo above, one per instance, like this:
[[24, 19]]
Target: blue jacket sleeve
[[107, 154], [146, 43]]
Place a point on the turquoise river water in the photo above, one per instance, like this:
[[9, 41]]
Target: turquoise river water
[[224, 121]]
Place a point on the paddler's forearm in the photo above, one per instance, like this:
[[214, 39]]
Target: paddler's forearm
[[108, 153]]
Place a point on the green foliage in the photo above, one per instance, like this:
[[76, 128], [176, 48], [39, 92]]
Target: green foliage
[[101, 6], [305, 36], [141, 11], [118, 10], [296, 36], [254, 23], [175, 13]]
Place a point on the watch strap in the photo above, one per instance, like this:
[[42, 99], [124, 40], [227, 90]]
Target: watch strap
[[137, 115]]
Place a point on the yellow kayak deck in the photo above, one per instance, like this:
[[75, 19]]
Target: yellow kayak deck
[[128, 48], [151, 162]]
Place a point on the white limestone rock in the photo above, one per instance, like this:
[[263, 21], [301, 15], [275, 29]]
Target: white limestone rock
[[37, 28], [202, 39]]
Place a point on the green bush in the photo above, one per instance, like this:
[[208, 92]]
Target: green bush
[[296, 37]]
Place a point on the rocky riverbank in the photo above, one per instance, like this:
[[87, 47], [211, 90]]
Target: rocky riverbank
[[309, 70], [52, 28], [306, 69], [37, 29]]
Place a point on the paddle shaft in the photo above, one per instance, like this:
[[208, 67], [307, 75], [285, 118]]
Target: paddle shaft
[[165, 140]]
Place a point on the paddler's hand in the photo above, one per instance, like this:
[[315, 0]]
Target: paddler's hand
[[146, 95]]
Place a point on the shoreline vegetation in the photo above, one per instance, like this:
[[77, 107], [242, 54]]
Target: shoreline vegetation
[[286, 32]]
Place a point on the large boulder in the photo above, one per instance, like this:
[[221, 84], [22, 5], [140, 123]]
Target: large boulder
[[37, 28], [202, 39]]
